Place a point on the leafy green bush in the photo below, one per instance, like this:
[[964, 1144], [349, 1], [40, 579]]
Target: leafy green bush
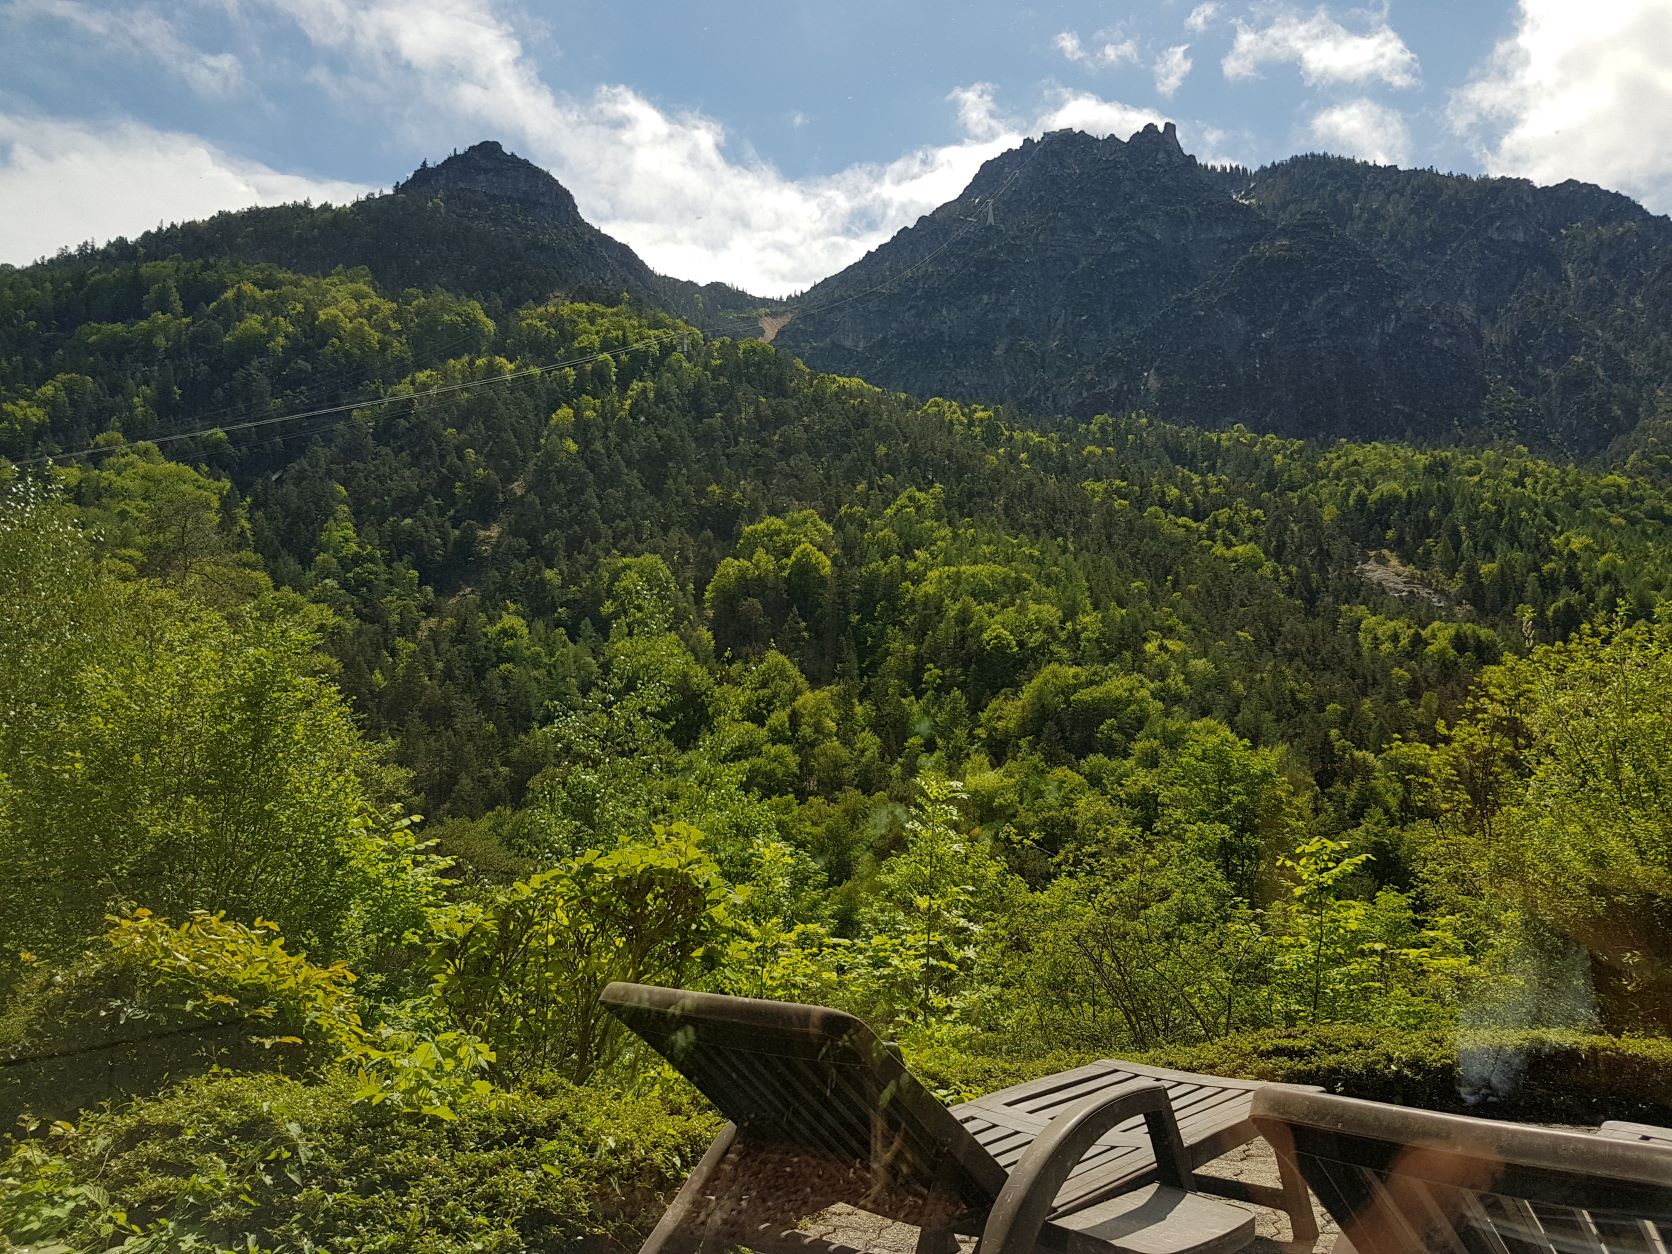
[[154, 750], [229, 1160], [524, 973], [157, 1000], [41, 1200]]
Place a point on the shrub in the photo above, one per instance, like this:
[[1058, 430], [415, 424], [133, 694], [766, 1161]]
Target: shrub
[[231, 1161], [525, 972], [158, 1001], [1545, 1076]]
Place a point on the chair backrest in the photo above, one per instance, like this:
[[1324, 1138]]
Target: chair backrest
[[819, 1085], [1400, 1180]]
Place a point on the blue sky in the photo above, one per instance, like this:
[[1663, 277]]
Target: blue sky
[[769, 145]]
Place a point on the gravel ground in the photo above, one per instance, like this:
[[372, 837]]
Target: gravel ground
[[1253, 1162]]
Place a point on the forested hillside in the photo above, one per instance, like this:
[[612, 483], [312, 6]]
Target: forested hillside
[[1026, 738]]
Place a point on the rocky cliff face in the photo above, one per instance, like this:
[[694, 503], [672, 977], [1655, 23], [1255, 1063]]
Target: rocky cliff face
[[1320, 296], [1305, 332], [1090, 240]]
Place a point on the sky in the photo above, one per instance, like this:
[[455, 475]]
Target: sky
[[770, 145]]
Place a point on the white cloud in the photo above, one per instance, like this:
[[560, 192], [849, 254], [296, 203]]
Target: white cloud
[[1324, 49], [66, 182], [1362, 128], [1082, 111], [1209, 146], [436, 72], [141, 31], [978, 112], [1112, 51], [1579, 91], [454, 56], [1171, 68], [665, 183], [1201, 17]]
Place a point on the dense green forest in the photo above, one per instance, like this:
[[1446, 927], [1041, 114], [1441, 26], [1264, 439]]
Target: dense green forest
[[346, 755]]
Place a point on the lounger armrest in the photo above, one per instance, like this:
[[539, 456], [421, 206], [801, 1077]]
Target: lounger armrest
[[1019, 1214]]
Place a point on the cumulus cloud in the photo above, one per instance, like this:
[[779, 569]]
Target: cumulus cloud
[[978, 111], [1362, 128], [1111, 51], [1171, 68], [141, 31], [65, 182], [1213, 145], [1325, 50], [1201, 17], [668, 183], [1578, 91]]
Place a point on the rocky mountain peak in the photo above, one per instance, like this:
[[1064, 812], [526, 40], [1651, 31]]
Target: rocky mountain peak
[[488, 171]]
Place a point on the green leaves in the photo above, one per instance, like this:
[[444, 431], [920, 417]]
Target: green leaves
[[919, 957], [157, 752], [429, 1073], [156, 1000], [524, 971], [1556, 808]]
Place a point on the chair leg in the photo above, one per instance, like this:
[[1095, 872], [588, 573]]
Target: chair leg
[[1297, 1202], [935, 1236], [680, 1231]]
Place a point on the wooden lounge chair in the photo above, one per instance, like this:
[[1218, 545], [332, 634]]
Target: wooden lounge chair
[[823, 1112], [1213, 1114], [1647, 1133], [1400, 1180]]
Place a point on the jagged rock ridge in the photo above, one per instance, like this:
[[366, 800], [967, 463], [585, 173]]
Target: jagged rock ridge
[[1319, 296]]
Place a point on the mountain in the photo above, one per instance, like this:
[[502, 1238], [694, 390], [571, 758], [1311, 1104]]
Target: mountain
[[1090, 241], [1319, 296], [483, 223]]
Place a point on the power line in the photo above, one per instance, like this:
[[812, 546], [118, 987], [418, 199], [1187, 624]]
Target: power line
[[348, 406], [532, 371]]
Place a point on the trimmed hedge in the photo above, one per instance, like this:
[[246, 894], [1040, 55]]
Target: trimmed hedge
[[1542, 1076]]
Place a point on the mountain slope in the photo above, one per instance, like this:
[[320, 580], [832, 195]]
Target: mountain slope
[[1320, 296], [1090, 239], [1304, 323], [483, 223]]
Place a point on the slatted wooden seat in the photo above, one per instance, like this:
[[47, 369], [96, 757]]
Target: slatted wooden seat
[[1399, 1181], [1214, 1117], [823, 1112]]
